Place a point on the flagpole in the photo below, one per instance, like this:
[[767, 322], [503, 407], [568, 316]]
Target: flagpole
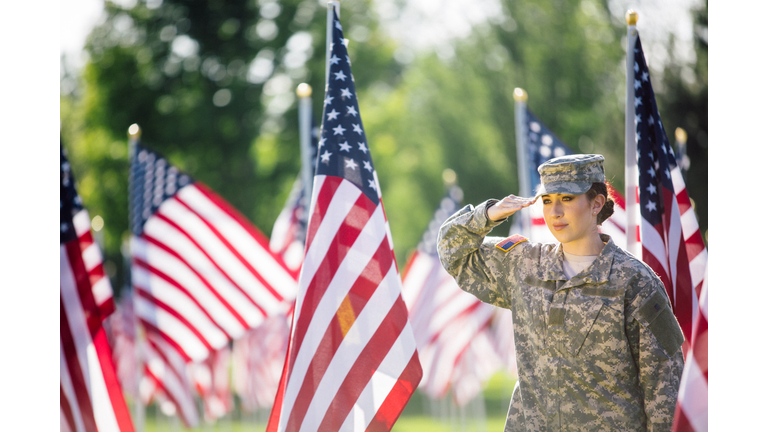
[[329, 36], [134, 135], [304, 92], [630, 142], [523, 174]]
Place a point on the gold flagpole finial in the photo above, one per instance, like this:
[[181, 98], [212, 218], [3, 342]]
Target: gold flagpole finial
[[681, 135], [134, 131], [520, 95], [631, 17], [304, 90], [449, 177]]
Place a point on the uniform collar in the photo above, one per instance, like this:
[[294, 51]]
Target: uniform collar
[[598, 272]]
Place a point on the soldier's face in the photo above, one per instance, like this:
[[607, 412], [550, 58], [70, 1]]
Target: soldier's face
[[569, 217]]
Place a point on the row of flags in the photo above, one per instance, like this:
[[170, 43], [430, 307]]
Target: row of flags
[[316, 322]]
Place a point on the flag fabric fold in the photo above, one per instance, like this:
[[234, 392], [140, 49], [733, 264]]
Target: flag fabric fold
[[91, 398], [351, 362]]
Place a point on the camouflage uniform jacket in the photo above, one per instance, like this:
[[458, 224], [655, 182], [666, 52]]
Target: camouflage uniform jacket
[[601, 351]]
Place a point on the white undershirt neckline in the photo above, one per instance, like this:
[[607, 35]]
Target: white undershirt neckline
[[574, 264]]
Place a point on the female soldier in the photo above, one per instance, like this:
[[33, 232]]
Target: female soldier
[[598, 347]]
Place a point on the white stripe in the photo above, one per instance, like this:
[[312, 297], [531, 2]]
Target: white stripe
[[209, 242], [674, 240], [103, 411], [356, 259], [179, 243], [694, 394], [102, 291], [414, 281], [381, 384], [177, 389], [181, 274], [82, 222], [677, 180], [689, 222], [69, 391], [261, 259], [357, 338], [171, 326], [341, 203], [92, 257], [652, 241]]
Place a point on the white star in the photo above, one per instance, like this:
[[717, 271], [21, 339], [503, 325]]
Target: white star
[[333, 114], [64, 227], [651, 189], [638, 102], [338, 25], [637, 67], [372, 184], [637, 84], [637, 119], [338, 130], [638, 138], [367, 165], [345, 146], [322, 142], [651, 206], [663, 147], [346, 93], [340, 75], [669, 175], [351, 110], [650, 155], [348, 61], [645, 75], [350, 163], [334, 59], [650, 120], [362, 147], [652, 172], [328, 100], [356, 128], [325, 157]]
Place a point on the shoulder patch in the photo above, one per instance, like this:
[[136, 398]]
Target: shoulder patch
[[508, 243]]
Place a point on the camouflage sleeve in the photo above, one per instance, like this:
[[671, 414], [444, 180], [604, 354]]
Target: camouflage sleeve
[[655, 340], [469, 256]]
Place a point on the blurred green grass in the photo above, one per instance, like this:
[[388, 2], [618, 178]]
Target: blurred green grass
[[420, 415]]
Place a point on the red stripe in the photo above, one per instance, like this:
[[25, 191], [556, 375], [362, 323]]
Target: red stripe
[[701, 346], [345, 237], [141, 263], [160, 352], [205, 282], [398, 397], [681, 423], [83, 285], [325, 195], [365, 366], [116, 399], [72, 360], [683, 202], [359, 294], [247, 225], [237, 253], [683, 302], [538, 221], [617, 197], [469, 309], [161, 385], [141, 292], [150, 328], [66, 409]]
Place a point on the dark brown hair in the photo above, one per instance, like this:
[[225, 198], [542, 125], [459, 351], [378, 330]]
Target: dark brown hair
[[607, 210]]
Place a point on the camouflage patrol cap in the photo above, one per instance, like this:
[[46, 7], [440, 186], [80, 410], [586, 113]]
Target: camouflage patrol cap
[[571, 174]]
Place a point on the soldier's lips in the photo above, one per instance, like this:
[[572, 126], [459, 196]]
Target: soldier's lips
[[558, 227]]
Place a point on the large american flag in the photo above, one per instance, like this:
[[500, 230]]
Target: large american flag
[[201, 273], [669, 232], [352, 362], [672, 243], [90, 397], [446, 320], [543, 145]]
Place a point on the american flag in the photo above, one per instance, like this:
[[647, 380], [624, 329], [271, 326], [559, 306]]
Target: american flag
[[672, 243], [446, 320], [124, 342], [201, 273], [211, 380], [290, 228], [692, 399], [90, 397], [351, 343], [543, 145]]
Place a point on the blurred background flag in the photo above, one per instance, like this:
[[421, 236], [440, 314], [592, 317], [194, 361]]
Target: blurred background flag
[[91, 398], [352, 362], [691, 413], [446, 321], [536, 145], [671, 242]]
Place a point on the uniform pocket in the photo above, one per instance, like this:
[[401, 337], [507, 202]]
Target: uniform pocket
[[658, 317], [580, 319]]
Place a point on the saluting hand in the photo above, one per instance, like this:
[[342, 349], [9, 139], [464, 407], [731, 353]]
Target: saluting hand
[[508, 206]]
